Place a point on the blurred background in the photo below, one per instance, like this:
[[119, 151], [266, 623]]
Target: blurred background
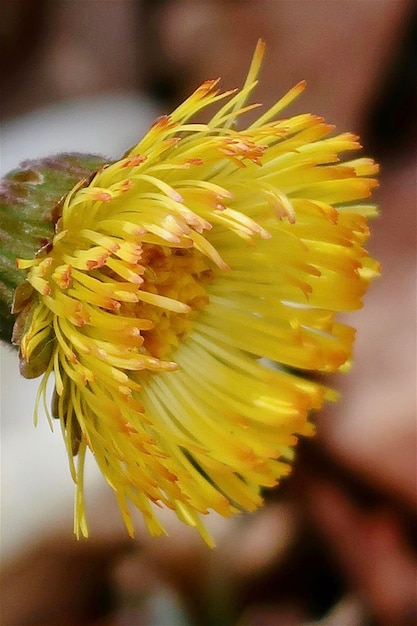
[[334, 545]]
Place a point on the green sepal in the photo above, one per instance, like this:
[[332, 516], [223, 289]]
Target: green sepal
[[28, 196]]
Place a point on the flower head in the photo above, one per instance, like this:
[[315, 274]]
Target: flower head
[[175, 275]]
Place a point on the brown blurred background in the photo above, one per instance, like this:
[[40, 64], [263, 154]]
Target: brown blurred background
[[335, 544]]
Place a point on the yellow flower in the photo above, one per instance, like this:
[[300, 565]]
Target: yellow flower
[[176, 275]]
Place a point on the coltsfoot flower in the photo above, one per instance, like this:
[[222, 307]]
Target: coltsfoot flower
[[176, 275]]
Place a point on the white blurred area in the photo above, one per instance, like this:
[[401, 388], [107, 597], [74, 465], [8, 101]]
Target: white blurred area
[[36, 486]]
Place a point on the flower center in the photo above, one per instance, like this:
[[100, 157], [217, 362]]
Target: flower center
[[175, 273]]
